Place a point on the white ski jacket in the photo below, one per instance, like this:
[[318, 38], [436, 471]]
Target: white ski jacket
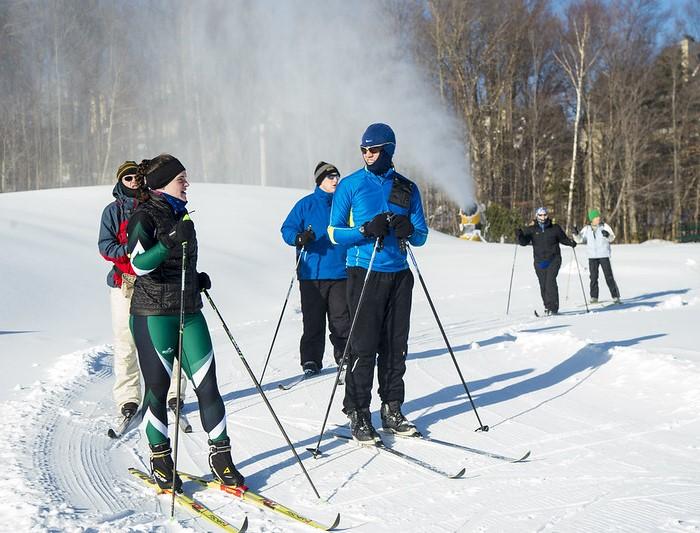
[[597, 245]]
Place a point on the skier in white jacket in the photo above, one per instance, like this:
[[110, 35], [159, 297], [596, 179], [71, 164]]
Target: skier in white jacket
[[597, 236]]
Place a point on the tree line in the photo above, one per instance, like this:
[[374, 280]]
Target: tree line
[[589, 104], [594, 106]]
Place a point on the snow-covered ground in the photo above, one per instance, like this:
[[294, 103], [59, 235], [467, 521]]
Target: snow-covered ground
[[608, 402]]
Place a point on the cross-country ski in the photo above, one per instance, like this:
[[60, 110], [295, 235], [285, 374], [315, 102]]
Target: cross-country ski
[[290, 385], [457, 446], [193, 506], [403, 457], [126, 424], [247, 495]]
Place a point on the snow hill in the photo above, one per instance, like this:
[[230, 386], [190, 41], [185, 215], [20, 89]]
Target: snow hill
[[608, 402]]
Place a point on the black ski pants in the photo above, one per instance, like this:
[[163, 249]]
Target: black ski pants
[[321, 298], [548, 284], [607, 271], [381, 334]]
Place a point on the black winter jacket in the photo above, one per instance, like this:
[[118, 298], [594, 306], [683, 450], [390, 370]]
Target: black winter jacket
[[157, 291], [545, 243]]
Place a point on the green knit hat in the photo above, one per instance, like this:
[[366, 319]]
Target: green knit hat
[[592, 213]]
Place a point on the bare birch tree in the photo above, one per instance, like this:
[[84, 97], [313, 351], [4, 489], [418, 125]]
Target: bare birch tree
[[580, 49]]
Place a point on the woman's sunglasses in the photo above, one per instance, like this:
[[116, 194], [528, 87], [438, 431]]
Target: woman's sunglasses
[[129, 178]]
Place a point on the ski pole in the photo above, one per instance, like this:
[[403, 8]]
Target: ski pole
[[568, 272], [261, 392], [284, 306], [568, 280], [179, 374], [481, 427], [512, 271], [315, 451], [583, 291]]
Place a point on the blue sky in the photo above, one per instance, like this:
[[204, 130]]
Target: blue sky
[[675, 7]]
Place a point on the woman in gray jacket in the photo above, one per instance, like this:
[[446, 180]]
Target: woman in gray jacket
[[597, 236]]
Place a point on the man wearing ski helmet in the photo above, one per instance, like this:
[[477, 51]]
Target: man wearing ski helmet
[[377, 206], [545, 238], [321, 272]]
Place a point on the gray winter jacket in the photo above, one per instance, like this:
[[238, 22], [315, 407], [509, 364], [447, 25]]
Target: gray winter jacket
[[597, 244]]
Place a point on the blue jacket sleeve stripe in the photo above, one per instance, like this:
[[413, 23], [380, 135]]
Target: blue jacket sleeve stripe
[[339, 230]]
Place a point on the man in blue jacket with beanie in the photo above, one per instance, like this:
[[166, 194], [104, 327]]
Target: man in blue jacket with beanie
[[376, 202], [322, 275]]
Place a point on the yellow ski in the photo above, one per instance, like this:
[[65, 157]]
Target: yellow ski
[[245, 494], [192, 505]]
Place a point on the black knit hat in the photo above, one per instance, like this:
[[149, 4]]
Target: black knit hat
[[323, 171], [126, 168], [163, 175]]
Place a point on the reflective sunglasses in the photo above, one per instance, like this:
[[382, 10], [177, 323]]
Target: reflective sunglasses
[[371, 149]]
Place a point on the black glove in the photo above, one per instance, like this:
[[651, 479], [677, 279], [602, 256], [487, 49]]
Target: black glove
[[377, 227], [519, 233], [605, 233], [402, 226], [573, 243], [181, 232], [304, 238], [203, 281]]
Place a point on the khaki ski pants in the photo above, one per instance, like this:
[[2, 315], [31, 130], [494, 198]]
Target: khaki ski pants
[[127, 377]]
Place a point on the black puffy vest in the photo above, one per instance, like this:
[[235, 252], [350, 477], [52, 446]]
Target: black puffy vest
[[158, 292]]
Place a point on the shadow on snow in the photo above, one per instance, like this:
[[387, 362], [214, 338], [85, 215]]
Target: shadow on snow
[[590, 357]]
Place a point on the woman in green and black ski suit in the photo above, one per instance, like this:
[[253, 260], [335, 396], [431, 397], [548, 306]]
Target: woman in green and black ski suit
[[156, 233]]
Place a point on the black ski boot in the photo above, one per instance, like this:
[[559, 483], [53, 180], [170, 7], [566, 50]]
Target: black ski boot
[[222, 465], [393, 420], [363, 431], [311, 368], [162, 467], [129, 409]]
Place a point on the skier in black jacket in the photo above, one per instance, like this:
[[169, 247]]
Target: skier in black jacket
[[545, 238], [156, 233]]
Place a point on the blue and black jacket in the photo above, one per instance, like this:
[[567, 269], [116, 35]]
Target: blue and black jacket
[[358, 198], [320, 258]]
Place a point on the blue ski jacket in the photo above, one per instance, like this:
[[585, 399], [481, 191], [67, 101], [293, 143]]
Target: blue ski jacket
[[112, 240], [320, 258], [358, 198]]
